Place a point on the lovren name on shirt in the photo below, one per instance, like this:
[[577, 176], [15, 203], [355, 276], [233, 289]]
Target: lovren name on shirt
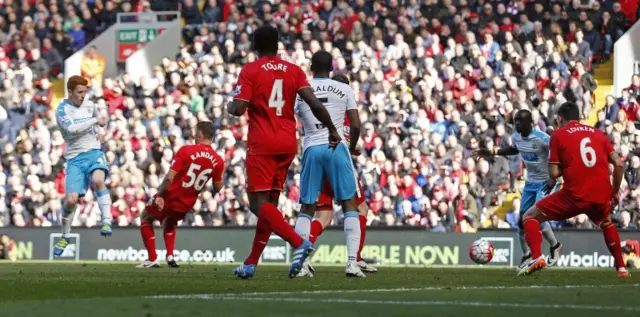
[[581, 129]]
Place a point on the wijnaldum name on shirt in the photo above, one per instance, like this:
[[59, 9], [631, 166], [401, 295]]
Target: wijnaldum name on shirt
[[329, 88]]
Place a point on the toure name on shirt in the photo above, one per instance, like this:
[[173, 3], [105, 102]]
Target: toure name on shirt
[[329, 88], [278, 67], [206, 155], [581, 129]]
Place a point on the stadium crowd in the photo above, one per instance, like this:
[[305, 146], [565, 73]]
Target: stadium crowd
[[435, 79]]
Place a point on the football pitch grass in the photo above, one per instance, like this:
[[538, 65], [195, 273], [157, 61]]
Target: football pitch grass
[[93, 289]]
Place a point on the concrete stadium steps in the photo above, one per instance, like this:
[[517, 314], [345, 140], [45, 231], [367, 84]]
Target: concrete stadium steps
[[502, 210], [604, 77], [58, 92]]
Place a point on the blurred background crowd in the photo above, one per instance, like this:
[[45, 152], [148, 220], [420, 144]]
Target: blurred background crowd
[[435, 80]]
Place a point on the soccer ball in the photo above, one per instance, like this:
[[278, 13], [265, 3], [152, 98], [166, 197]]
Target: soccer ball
[[481, 251]]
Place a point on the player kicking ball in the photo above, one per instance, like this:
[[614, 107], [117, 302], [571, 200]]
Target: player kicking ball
[[267, 88], [533, 146], [581, 155], [86, 163], [324, 208], [319, 160], [191, 169]]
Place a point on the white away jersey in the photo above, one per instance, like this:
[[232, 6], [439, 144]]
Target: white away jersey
[[337, 99], [534, 150], [77, 125]]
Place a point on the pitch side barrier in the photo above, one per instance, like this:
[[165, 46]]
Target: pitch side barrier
[[389, 246]]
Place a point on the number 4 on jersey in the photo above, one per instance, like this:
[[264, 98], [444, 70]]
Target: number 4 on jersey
[[276, 100], [197, 179]]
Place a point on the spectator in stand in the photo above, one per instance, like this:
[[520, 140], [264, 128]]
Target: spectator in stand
[[433, 79], [93, 66], [497, 223]]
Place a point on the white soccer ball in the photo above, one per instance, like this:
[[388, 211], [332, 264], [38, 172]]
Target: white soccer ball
[[481, 251]]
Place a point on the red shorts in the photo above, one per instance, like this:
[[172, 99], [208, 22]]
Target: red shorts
[[162, 214], [561, 205], [325, 200], [267, 172]]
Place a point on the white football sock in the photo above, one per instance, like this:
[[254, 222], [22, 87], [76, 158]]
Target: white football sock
[[548, 234], [303, 225], [352, 233], [67, 220], [523, 242], [104, 203]]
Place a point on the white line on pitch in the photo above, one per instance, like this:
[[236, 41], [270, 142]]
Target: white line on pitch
[[393, 290], [440, 303]]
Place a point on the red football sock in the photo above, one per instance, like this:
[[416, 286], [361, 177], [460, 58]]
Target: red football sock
[[363, 235], [169, 233], [533, 236], [149, 239], [260, 240], [316, 230], [273, 216], [612, 239]]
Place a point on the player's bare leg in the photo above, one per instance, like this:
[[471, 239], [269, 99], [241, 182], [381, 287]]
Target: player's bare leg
[[104, 200], [363, 210], [533, 235], [149, 240], [612, 239], [169, 234], [68, 211]]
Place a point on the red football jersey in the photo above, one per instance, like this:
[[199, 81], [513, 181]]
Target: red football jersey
[[270, 85], [347, 129], [194, 165], [583, 154]]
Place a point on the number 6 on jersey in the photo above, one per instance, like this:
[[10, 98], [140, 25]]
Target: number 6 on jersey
[[587, 153]]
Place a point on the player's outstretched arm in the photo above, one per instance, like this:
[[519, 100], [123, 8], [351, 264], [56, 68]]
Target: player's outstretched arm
[[354, 129], [166, 182], [70, 125], [217, 187], [554, 170], [618, 172], [242, 94], [321, 113], [481, 153]]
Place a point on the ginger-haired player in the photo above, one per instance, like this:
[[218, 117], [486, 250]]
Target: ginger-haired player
[[79, 121], [191, 169], [267, 88]]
